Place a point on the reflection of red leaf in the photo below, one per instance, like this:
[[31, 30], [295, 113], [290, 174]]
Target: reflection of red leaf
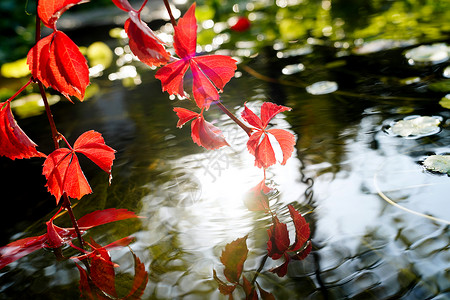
[[144, 43], [249, 289], [281, 270], [57, 62], [20, 248], [278, 239], [224, 288], [14, 143], [101, 270], [302, 231], [257, 199], [233, 258], [139, 281], [264, 295], [63, 171], [50, 10], [278, 244], [259, 143], [210, 73]]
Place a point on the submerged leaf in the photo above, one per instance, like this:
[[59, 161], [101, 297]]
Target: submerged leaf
[[233, 258]]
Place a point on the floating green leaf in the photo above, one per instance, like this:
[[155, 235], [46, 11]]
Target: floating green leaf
[[440, 86], [438, 163], [445, 101]]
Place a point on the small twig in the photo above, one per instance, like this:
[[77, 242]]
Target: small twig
[[68, 206]]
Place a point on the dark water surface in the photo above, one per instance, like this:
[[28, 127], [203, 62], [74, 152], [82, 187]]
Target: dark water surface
[[379, 220]]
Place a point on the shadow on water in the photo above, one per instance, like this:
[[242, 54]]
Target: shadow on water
[[345, 169]]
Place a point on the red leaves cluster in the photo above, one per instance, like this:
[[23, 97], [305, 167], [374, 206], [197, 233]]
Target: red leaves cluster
[[259, 144], [62, 168], [56, 60], [279, 243], [203, 133], [142, 41], [57, 236], [210, 73], [14, 143]]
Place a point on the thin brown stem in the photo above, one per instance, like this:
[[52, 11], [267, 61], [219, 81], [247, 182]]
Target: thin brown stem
[[169, 10], [68, 206], [247, 129]]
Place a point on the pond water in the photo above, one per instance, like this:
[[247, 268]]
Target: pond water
[[379, 221]]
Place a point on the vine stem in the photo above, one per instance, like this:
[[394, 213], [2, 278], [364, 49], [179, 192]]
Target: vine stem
[[20, 90], [56, 136], [169, 10], [263, 262], [247, 129]]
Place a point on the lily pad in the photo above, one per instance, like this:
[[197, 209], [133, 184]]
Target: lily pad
[[445, 101], [428, 54], [416, 126], [322, 88], [438, 163]]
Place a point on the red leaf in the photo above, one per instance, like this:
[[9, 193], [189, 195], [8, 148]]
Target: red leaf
[[14, 143], [63, 171], [64, 174], [20, 248], [37, 59], [140, 280], [101, 270], [286, 140], [257, 199], [264, 154], [304, 253], [249, 116], [233, 258], [57, 62], [262, 149], [144, 43], [105, 216], [123, 5], [241, 25], [54, 239], [207, 135], [218, 68], [88, 289], [209, 72], [224, 288], [264, 295], [92, 144], [278, 239], [73, 75], [184, 115], [203, 90], [50, 10], [171, 77], [302, 231], [269, 110], [185, 34]]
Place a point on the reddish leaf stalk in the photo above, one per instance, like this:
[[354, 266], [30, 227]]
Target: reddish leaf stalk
[[142, 6], [247, 130], [21, 89], [169, 10]]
